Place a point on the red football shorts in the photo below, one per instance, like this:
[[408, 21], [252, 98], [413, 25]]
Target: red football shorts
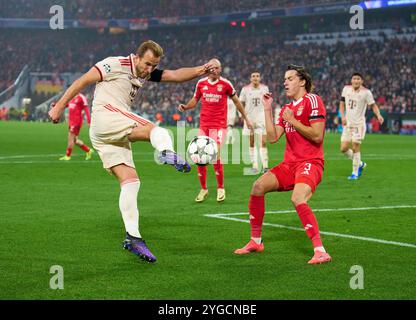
[[289, 174], [217, 134], [74, 129]]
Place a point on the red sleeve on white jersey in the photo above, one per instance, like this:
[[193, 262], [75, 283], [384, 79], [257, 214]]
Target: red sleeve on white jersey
[[317, 108]]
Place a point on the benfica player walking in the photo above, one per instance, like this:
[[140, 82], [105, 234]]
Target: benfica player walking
[[214, 90], [303, 122], [76, 106]]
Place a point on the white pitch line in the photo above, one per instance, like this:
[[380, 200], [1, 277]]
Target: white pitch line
[[336, 158], [23, 156], [317, 210], [226, 216]]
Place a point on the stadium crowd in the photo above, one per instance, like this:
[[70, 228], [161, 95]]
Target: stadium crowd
[[125, 9], [388, 66]]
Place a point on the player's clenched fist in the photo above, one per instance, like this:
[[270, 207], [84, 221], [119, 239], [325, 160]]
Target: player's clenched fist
[[181, 108], [54, 113], [267, 101], [288, 115]]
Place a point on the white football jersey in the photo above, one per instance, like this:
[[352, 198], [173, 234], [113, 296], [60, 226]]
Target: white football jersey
[[253, 99], [356, 103], [231, 112], [119, 82]]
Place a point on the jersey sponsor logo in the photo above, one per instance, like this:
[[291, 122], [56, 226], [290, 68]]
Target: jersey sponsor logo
[[211, 97], [256, 102], [107, 68], [288, 127]]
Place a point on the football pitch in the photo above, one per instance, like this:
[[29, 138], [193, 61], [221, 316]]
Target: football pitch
[[66, 214]]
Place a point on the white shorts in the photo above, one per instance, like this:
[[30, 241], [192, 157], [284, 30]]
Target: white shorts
[[355, 134], [231, 120], [259, 128], [109, 129]]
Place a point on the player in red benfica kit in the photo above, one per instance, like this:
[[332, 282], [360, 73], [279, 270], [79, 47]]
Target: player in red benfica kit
[[213, 92], [77, 106], [303, 122]]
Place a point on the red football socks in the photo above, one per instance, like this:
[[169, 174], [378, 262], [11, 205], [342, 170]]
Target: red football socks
[[219, 174], [68, 152], [85, 148], [202, 175], [256, 209], [310, 224]]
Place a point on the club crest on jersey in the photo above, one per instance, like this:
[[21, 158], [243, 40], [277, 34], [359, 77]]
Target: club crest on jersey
[[107, 68], [219, 88], [299, 111]]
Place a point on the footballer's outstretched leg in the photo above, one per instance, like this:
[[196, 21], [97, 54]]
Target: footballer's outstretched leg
[[172, 158], [138, 247], [162, 142]]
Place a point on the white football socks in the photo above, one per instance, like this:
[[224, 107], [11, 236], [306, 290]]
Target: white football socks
[[264, 157], [349, 154], [160, 139], [253, 156], [128, 206], [356, 162]]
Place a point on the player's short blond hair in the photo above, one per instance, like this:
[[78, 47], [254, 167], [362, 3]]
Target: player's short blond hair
[[154, 47]]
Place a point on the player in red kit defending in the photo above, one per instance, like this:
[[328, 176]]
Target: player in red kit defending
[[303, 122], [214, 91], [75, 118]]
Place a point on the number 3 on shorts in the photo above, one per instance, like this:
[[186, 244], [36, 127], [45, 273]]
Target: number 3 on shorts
[[307, 168]]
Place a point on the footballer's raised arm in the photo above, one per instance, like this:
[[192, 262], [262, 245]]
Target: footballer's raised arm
[[88, 78], [274, 132], [185, 74]]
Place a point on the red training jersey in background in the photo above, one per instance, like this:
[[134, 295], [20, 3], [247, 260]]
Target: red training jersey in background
[[76, 106], [308, 109], [213, 97]]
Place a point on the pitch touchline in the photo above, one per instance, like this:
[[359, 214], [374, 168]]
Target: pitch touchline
[[340, 158], [226, 216], [317, 210]]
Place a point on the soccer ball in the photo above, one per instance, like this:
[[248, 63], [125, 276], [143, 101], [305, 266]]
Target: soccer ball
[[202, 150]]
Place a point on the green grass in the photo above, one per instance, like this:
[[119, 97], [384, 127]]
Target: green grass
[[55, 213]]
